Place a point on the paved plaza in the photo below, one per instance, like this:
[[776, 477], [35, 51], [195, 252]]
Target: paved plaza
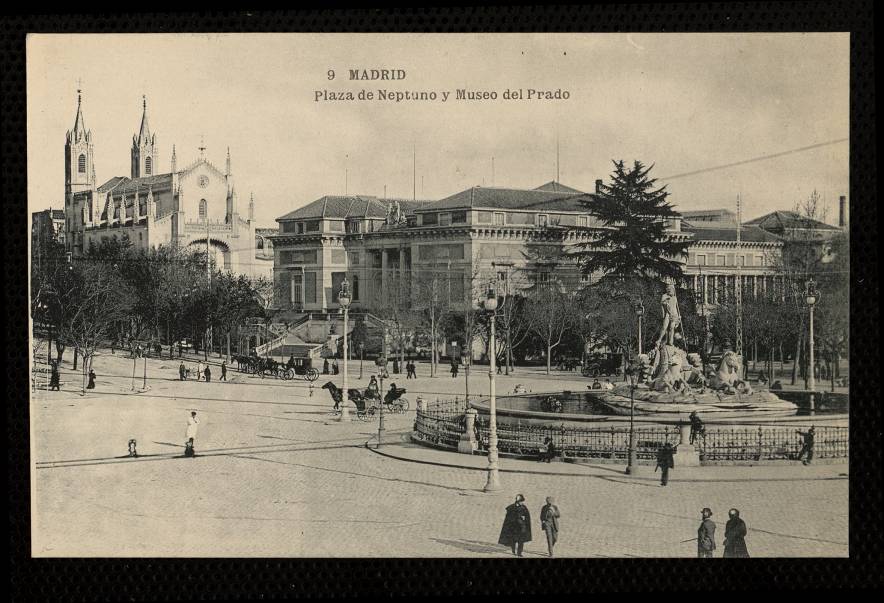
[[277, 475]]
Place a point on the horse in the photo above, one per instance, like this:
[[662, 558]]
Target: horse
[[337, 395], [728, 375]]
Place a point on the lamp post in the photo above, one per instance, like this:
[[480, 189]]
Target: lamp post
[[381, 363], [493, 482], [466, 357], [639, 312], [361, 357], [811, 297], [631, 463], [344, 302]]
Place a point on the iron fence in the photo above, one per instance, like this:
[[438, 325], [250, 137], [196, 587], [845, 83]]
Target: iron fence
[[438, 431], [770, 443]]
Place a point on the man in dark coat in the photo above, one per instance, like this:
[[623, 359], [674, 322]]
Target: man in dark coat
[[55, 379], [665, 462], [516, 530], [182, 372], [325, 367], [735, 536], [207, 373], [706, 535], [549, 522], [807, 445], [91, 384], [223, 370], [697, 427]]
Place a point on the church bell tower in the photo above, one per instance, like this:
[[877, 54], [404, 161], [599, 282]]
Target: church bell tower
[[144, 154], [79, 169]]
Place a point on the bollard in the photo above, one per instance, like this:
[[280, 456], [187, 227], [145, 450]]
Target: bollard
[[467, 443]]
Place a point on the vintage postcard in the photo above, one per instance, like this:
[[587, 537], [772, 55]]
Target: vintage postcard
[[439, 295]]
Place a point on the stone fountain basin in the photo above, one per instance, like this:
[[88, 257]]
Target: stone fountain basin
[[649, 402]]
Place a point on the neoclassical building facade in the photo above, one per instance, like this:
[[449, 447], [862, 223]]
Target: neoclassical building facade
[[194, 205]]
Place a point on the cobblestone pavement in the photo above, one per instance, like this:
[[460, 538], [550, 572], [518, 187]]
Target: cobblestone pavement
[[278, 475]]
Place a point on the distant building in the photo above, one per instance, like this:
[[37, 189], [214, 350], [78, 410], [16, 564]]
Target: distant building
[[194, 206], [47, 225]]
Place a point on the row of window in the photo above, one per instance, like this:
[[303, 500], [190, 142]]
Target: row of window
[[729, 259]]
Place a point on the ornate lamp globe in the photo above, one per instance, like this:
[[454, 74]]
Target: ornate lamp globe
[[344, 295], [639, 309], [491, 300], [811, 295]]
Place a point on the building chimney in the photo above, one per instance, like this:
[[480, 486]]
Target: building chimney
[[598, 187], [842, 211]]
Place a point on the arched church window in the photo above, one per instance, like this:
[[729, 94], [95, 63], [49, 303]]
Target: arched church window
[[81, 164], [147, 164], [204, 209]]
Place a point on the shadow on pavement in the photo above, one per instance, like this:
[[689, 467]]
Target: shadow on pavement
[[473, 546]]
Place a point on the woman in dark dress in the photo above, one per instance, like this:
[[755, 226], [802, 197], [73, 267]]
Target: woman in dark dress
[[91, 384], [735, 536], [516, 530]]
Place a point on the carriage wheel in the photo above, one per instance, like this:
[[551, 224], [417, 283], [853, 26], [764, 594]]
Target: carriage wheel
[[403, 405], [312, 374], [289, 374], [269, 372], [362, 415]]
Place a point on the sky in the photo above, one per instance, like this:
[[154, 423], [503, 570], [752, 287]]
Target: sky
[[682, 102]]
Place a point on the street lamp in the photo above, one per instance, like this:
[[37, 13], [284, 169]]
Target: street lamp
[[811, 297], [639, 312], [466, 357], [361, 347], [631, 462], [493, 482], [381, 363], [344, 302]]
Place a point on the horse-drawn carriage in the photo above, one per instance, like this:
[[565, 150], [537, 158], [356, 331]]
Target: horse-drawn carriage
[[269, 367], [368, 402]]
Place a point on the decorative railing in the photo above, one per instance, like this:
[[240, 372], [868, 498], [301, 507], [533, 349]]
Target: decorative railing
[[770, 443], [443, 422]]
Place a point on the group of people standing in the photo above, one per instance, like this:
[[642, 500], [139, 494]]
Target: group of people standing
[[734, 535], [516, 530], [203, 372]]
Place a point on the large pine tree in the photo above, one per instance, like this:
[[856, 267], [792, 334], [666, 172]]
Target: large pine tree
[[633, 241]]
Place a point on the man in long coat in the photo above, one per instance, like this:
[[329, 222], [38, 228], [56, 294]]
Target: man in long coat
[[665, 462], [190, 434], [706, 535], [735, 536], [516, 530], [549, 522]]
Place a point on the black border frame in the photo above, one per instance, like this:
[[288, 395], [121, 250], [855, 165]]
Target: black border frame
[[174, 579]]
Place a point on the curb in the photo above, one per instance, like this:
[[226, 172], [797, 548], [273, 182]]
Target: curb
[[596, 476]]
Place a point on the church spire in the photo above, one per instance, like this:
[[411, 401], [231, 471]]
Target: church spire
[[144, 132], [174, 160], [78, 132], [228, 161]]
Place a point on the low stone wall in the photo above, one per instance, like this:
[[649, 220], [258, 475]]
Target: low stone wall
[[450, 425]]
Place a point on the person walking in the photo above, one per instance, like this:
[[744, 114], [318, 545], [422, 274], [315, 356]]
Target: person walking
[[199, 370], [325, 367], [735, 536], [190, 434], [412, 370], [54, 379], [395, 366], [549, 522], [665, 462], [454, 367], [706, 535], [182, 372], [223, 371], [807, 444], [516, 530], [91, 384], [208, 373]]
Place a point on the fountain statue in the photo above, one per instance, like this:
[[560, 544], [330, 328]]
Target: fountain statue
[[671, 380]]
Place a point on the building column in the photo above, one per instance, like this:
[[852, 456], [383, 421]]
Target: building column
[[384, 281]]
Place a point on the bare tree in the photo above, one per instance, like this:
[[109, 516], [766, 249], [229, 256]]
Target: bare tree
[[548, 312]]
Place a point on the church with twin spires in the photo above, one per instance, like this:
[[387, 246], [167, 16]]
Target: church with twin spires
[[192, 205]]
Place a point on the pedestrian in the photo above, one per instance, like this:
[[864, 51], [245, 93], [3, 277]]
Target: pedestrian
[[454, 367], [735, 536], [499, 367], [807, 445], [664, 462], [223, 370], [179, 349], [190, 434], [334, 366], [516, 530], [199, 370], [325, 367], [55, 379], [548, 450], [91, 384], [549, 522], [412, 370], [373, 391], [395, 366], [697, 427], [291, 363], [208, 373], [706, 535], [182, 372], [596, 384]]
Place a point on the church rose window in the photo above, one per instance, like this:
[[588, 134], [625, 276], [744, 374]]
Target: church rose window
[[81, 164]]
